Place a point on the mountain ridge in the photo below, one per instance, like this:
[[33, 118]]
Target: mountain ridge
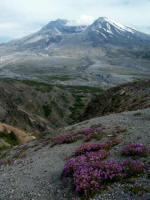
[[103, 54], [103, 24]]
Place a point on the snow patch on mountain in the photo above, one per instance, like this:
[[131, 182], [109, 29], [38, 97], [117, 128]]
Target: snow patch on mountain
[[110, 22], [109, 26], [34, 39]]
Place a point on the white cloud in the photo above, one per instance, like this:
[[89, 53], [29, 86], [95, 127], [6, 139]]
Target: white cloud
[[8, 25], [22, 17], [85, 19], [82, 20]]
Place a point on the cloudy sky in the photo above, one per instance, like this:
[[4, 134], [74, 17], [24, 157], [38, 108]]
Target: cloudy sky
[[19, 18]]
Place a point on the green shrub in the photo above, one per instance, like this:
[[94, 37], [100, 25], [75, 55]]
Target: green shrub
[[47, 110], [9, 138], [77, 108]]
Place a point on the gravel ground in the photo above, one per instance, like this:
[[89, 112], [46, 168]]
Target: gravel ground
[[37, 176]]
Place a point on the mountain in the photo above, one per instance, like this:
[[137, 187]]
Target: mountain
[[106, 30], [103, 54], [102, 31], [53, 33]]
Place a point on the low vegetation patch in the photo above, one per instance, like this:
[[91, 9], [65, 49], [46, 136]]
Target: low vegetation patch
[[77, 108], [86, 170], [83, 89], [89, 177], [85, 134], [89, 174], [94, 132], [88, 147], [135, 150], [47, 110], [137, 114], [10, 138], [132, 167], [64, 139]]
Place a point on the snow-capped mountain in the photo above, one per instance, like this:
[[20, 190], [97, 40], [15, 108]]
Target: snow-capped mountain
[[106, 25], [106, 30], [103, 53], [102, 31]]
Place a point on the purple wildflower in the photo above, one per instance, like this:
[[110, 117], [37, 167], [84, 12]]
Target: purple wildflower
[[135, 150]]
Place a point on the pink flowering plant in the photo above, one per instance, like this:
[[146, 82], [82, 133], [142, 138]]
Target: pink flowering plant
[[89, 174], [85, 134], [65, 139], [135, 150], [132, 167], [87, 147], [111, 143], [92, 133]]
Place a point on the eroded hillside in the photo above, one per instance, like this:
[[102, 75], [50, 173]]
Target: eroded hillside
[[126, 97], [38, 107]]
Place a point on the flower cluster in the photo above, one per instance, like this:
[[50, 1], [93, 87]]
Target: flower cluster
[[87, 131], [93, 175], [75, 162], [85, 134], [93, 156], [87, 147], [88, 177], [88, 173], [135, 150], [65, 139], [111, 143], [132, 167], [92, 133]]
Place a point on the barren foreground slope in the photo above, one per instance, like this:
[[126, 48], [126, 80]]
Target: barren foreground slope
[[34, 171]]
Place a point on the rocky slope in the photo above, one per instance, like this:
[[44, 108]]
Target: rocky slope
[[34, 171]]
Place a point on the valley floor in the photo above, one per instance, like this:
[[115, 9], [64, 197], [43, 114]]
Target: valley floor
[[35, 173]]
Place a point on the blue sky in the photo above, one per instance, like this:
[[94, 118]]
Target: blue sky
[[19, 18]]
